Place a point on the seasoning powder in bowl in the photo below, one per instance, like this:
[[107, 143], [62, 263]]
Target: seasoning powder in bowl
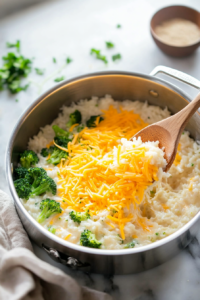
[[178, 32]]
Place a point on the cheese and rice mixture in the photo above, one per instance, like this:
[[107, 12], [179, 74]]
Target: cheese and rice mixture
[[120, 183]]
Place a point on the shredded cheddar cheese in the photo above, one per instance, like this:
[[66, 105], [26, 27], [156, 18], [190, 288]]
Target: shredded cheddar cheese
[[178, 157], [50, 144], [87, 180], [54, 218], [67, 236], [165, 206], [190, 187], [72, 127]]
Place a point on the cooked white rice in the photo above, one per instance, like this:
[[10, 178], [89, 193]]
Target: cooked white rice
[[172, 201]]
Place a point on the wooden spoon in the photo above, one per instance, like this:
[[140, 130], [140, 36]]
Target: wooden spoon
[[168, 131]]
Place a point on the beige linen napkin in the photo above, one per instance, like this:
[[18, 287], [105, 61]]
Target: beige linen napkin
[[23, 275]]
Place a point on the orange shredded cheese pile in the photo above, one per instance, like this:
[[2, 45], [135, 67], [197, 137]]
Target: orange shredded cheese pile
[[87, 181]]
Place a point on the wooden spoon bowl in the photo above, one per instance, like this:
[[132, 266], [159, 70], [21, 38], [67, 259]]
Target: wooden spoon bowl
[[168, 131]]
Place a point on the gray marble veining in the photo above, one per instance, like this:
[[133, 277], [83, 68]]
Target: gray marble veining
[[71, 28]]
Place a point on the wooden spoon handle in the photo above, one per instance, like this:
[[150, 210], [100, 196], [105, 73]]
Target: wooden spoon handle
[[177, 122]]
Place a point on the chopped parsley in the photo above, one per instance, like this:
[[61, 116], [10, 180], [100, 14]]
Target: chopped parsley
[[16, 45], [98, 55], [58, 79], [192, 165], [109, 45], [68, 60], [152, 193], [164, 232], [15, 68], [119, 26], [54, 60], [39, 71], [156, 233], [116, 57]]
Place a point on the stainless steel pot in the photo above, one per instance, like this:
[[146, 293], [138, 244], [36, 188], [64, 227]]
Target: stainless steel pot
[[121, 85]]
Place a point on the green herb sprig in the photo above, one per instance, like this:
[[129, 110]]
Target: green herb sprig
[[58, 79], [68, 60], [15, 68], [98, 55], [39, 71], [116, 57], [16, 45], [109, 45]]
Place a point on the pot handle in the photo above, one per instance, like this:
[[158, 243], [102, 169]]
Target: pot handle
[[66, 260], [177, 75]]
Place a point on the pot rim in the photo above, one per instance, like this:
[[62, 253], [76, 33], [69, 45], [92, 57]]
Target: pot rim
[[45, 232]]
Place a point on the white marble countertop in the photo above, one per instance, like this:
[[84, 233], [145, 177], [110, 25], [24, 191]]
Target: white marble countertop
[[71, 28]]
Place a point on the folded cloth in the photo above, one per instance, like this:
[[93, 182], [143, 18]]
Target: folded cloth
[[23, 275]]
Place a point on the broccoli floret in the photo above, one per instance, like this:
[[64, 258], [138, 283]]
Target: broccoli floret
[[59, 131], [23, 188], [88, 239], [91, 121], [130, 245], [35, 182], [62, 141], [61, 136], [28, 158], [56, 156], [20, 173], [74, 118], [48, 208], [78, 216], [36, 174], [44, 152], [46, 184]]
